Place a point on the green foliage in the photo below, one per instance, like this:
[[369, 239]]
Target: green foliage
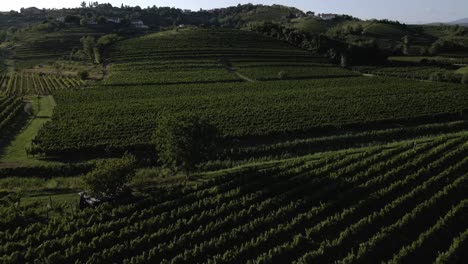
[[110, 176], [97, 56], [101, 20], [404, 201], [464, 79], [159, 74], [10, 109], [107, 40], [72, 19], [89, 44], [84, 22], [34, 84], [447, 45], [432, 73], [83, 74], [184, 141], [282, 75]]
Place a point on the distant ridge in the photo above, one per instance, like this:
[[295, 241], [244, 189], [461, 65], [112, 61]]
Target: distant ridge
[[463, 21]]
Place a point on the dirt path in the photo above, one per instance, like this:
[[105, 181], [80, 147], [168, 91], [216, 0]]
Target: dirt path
[[228, 67], [243, 77]]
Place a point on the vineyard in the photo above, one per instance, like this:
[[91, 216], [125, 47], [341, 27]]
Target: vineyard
[[89, 120], [249, 134], [401, 202], [10, 108], [34, 84], [417, 73], [193, 71], [300, 71]]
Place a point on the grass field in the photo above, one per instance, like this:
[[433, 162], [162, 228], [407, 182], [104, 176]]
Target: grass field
[[15, 153], [463, 70]]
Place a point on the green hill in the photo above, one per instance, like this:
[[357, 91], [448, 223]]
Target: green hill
[[255, 13], [311, 25], [233, 78]]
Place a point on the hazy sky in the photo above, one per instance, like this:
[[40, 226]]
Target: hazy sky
[[409, 11]]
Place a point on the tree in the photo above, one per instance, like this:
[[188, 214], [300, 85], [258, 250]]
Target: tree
[[184, 141], [83, 74], [110, 177], [72, 19], [97, 55], [107, 40], [84, 21], [464, 79], [83, 4], [101, 20], [406, 43], [88, 46], [282, 75]]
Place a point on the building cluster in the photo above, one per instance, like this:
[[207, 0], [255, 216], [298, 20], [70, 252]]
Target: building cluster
[[323, 16], [136, 23]]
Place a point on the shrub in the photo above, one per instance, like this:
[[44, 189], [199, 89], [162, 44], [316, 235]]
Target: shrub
[[282, 75], [110, 176], [83, 74], [464, 79]]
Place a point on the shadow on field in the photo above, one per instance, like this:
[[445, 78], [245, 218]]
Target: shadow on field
[[170, 83], [7, 136]]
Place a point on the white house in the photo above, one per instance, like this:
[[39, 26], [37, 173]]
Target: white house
[[139, 24], [113, 20], [328, 16]]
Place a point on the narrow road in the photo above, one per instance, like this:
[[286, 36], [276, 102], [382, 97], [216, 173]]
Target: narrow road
[[227, 65]]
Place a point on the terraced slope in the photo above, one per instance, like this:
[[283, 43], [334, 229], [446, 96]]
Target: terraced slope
[[192, 71], [395, 203], [10, 108], [33, 84]]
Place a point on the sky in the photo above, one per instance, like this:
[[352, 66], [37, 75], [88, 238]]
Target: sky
[[408, 11]]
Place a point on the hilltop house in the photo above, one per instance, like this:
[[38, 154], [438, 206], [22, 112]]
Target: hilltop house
[[113, 20], [328, 16], [139, 24]]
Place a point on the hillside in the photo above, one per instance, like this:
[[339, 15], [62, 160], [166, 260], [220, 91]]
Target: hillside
[[388, 203], [245, 134], [203, 71], [463, 21]]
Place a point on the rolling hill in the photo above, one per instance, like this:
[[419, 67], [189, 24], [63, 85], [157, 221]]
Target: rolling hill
[[463, 21]]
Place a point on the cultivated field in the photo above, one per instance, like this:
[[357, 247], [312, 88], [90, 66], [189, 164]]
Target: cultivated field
[[35, 84], [348, 206], [10, 109], [314, 163], [161, 73]]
